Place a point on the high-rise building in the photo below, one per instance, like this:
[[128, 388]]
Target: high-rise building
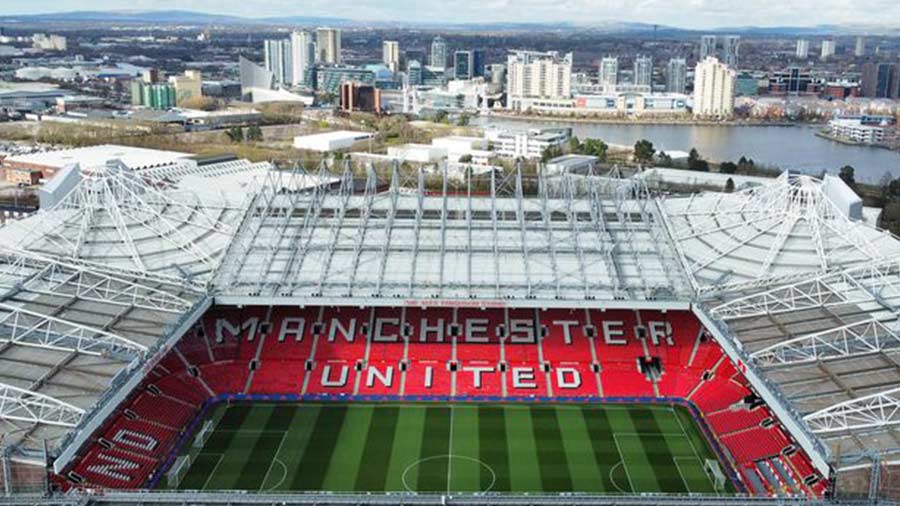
[[533, 74], [414, 72], [498, 73], [860, 49], [609, 71], [390, 54], [439, 52], [730, 50], [828, 49], [328, 45], [355, 96], [478, 63], [714, 84], [303, 56], [643, 71], [463, 64], [726, 48], [708, 46], [676, 75], [802, 48], [279, 59], [880, 80]]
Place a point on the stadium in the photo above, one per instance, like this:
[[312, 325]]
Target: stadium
[[224, 331]]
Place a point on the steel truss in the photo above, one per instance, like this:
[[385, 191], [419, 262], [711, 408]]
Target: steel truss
[[29, 328], [860, 338], [881, 409], [17, 404], [872, 282], [709, 231]]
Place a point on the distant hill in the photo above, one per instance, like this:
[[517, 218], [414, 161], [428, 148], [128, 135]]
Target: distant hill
[[174, 17]]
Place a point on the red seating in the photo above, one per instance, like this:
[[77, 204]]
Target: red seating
[[438, 352]]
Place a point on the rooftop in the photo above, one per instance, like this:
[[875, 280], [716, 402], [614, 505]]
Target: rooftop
[[97, 156]]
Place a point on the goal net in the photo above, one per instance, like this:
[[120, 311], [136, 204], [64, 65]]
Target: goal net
[[715, 472], [203, 434], [178, 470]]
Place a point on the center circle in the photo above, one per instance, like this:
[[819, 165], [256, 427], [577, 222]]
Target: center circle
[[449, 458]]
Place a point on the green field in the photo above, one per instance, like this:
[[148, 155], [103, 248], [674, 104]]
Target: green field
[[452, 448]]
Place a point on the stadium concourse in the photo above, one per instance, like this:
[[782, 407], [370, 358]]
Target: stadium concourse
[[136, 303]]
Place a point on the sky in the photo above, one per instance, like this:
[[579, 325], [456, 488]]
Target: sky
[[680, 13]]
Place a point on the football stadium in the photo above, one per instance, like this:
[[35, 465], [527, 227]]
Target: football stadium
[[221, 331]]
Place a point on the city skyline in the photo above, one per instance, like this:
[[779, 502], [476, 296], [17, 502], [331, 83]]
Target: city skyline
[[695, 14]]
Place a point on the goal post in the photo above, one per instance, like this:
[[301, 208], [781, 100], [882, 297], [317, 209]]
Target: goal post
[[714, 470], [178, 471], [203, 434]]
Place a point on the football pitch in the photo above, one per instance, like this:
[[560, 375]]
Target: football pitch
[[442, 448]]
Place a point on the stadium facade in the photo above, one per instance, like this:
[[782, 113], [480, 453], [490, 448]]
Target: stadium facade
[[771, 312]]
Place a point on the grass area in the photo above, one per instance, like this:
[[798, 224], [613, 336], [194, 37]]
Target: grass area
[[452, 448]]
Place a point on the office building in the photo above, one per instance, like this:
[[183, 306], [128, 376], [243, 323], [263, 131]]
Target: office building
[[439, 53], [747, 85], [529, 144], [279, 60], [792, 81], [329, 79], [676, 75], [390, 55], [328, 46], [187, 86], [828, 49], [609, 71], [880, 80], [714, 85], [802, 48], [497, 73], [303, 56], [860, 49], [414, 72], [463, 64], [643, 71], [478, 62], [533, 74], [359, 97]]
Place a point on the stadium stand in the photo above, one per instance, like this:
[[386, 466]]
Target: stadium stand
[[420, 353]]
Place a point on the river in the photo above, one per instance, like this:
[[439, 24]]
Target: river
[[787, 147]]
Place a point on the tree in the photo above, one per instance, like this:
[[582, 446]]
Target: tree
[[695, 162], [729, 186], [663, 159], [643, 151], [466, 158], [550, 153], [728, 168], [254, 133], [595, 147], [848, 175], [575, 145], [463, 120], [235, 134], [440, 116]]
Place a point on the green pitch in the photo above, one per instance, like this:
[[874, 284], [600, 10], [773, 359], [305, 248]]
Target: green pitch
[[452, 448]]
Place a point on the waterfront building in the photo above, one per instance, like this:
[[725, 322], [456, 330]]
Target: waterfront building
[[643, 71], [828, 49], [802, 49], [714, 86], [676, 75], [747, 85], [439, 52], [303, 56], [863, 129], [390, 50], [609, 71], [530, 144], [791, 81], [537, 75], [328, 46]]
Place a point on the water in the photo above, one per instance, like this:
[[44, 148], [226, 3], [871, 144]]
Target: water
[[795, 147]]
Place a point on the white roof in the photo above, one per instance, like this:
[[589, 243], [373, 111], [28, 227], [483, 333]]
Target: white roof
[[337, 135], [97, 156]]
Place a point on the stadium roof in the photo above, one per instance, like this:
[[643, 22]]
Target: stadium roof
[[798, 292]]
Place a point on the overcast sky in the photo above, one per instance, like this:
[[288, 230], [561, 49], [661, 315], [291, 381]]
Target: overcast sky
[[682, 13]]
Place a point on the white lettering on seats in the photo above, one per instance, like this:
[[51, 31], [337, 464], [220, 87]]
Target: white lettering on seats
[[568, 377], [116, 468], [341, 380], [386, 378], [135, 439], [477, 373], [523, 377], [222, 324], [613, 335], [292, 327]]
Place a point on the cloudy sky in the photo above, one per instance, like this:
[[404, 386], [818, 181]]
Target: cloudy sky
[[682, 13]]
